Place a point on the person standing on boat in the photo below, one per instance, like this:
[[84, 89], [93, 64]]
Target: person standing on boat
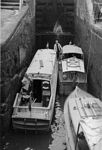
[[58, 48]]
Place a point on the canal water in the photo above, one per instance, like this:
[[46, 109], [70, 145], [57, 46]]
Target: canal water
[[53, 140]]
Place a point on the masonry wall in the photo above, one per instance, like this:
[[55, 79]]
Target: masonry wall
[[89, 37], [16, 54]]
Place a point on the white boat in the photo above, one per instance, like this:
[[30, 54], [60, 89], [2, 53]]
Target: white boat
[[83, 121], [71, 69], [34, 104]]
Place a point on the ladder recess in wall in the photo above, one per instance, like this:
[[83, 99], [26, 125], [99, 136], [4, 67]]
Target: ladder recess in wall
[[11, 4]]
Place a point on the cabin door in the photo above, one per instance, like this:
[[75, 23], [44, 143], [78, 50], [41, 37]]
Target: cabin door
[[37, 90]]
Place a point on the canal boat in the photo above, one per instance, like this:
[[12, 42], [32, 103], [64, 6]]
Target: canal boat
[[71, 69], [34, 104], [83, 121]]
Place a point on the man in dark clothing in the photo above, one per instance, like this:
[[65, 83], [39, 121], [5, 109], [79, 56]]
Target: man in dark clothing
[[57, 48]]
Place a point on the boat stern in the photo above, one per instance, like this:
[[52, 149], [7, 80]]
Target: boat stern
[[30, 124]]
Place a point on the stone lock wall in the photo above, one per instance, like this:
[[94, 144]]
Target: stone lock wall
[[16, 54], [17, 51], [89, 37]]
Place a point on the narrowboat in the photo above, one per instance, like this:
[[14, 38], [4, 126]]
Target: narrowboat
[[34, 104], [71, 69], [83, 121]]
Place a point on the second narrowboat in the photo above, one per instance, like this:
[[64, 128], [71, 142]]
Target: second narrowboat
[[71, 69]]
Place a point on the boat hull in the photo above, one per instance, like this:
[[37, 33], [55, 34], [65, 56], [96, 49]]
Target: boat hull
[[65, 88], [77, 108], [70, 141], [31, 124]]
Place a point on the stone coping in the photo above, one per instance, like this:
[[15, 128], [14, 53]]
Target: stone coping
[[10, 20]]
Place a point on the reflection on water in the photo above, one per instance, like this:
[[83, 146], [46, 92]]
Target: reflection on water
[[54, 140]]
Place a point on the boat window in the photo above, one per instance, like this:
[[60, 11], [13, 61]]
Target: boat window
[[65, 56], [73, 76], [81, 77], [69, 55]]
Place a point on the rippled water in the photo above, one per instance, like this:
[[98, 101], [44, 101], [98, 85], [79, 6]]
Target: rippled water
[[54, 140]]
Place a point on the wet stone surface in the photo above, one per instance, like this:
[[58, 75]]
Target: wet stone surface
[[54, 140]]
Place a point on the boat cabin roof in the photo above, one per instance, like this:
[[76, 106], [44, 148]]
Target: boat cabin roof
[[42, 64], [72, 49]]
